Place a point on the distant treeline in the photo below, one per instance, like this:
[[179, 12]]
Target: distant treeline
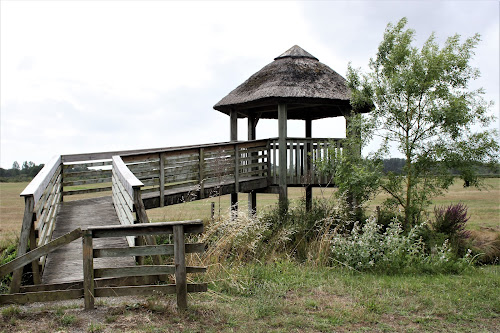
[[29, 170], [396, 165], [17, 173]]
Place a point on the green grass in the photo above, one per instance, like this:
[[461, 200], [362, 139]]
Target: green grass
[[287, 296], [290, 297]]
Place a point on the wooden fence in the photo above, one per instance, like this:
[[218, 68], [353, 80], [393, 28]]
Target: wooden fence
[[116, 280], [200, 168], [302, 154]]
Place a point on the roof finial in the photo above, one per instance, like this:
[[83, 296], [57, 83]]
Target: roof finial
[[296, 52]]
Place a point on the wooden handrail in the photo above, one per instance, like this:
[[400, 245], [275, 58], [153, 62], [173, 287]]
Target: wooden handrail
[[125, 176], [38, 185], [40, 251]]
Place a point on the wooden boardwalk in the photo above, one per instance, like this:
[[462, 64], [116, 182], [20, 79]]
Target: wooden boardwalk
[[65, 264]]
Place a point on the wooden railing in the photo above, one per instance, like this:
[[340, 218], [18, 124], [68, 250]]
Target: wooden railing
[[41, 197], [106, 282], [302, 154], [199, 167], [178, 250]]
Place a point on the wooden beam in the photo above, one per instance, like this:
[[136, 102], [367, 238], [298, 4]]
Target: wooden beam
[[166, 249], [88, 270], [21, 261], [28, 218], [162, 180], [233, 119], [252, 196], [147, 290], [41, 296], [180, 267], [308, 165], [282, 129]]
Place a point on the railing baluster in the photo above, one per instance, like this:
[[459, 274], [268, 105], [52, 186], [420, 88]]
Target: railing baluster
[[88, 269], [180, 267]]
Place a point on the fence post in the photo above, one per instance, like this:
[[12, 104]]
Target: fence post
[[162, 180], [88, 269], [180, 267], [201, 172], [29, 206], [34, 264]]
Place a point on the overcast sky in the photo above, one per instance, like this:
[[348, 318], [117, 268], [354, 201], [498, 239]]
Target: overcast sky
[[87, 76]]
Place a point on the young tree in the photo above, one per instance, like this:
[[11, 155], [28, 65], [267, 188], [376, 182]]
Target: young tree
[[423, 106]]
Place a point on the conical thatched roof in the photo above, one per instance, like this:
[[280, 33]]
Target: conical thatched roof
[[311, 89]]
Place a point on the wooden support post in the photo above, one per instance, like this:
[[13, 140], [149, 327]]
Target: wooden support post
[[201, 165], [308, 164], [29, 206], [180, 267], [162, 180], [282, 127], [142, 217], [252, 196], [269, 166], [88, 270], [35, 267], [234, 137]]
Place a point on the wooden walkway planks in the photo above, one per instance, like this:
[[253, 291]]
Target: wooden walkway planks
[[65, 264]]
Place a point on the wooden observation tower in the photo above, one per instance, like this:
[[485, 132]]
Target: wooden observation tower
[[294, 86]]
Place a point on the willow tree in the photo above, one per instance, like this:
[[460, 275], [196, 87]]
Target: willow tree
[[423, 107]]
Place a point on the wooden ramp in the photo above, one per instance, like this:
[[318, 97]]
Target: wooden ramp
[[65, 264]]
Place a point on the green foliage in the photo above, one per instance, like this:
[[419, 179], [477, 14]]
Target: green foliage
[[368, 248], [16, 174], [422, 106], [8, 254], [357, 178]]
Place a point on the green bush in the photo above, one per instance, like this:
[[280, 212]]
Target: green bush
[[368, 248]]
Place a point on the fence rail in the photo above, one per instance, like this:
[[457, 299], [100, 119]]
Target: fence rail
[[120, 277], [178, 250]]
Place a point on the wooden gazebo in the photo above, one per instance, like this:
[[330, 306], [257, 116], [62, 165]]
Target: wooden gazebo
[[294, 86]]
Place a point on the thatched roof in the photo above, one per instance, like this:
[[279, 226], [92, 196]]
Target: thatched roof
[[311, 89]]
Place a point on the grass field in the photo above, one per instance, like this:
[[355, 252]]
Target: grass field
[[285, 296], [484, 205]]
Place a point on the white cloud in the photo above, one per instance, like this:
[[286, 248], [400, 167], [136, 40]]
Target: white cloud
[[80, 76]]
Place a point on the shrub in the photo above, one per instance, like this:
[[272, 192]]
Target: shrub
[[368, 248], [451, 221]]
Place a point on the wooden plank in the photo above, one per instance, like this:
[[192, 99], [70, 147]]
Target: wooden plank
[[282, 129], [192, 226], [147, 290], [162, 180], [134, 270], [53, 187], [167, 249], [88, 270], [87, 181], [180, 267], [87, 174], [24, 259], [122, 195], [37, 186], [108, 282], [142, 229], [41, 296], [90, 190], [28, 219], [34, 264], [85, 164], [142, 270], [125, 176]]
